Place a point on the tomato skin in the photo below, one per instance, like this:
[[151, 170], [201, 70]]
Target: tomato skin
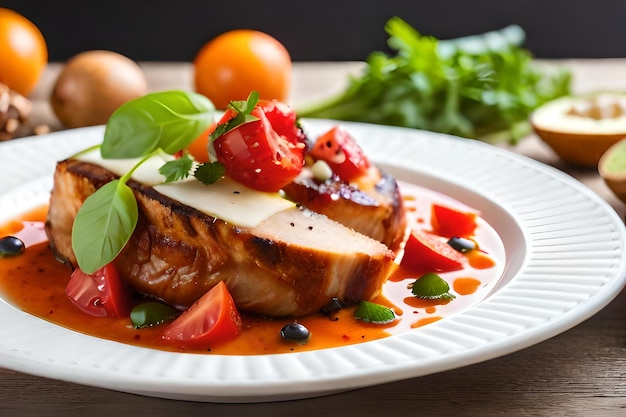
[[233, 64], [23, 52], [100, 294], [425, 252], [256, 155], [448, 221], [212, 319], [341, 152]]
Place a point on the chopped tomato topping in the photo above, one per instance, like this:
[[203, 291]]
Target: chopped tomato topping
[[264, 154], [284, 121], [342, 153]]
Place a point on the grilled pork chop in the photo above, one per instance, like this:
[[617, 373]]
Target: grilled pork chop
[[292, 263], [373, 206]]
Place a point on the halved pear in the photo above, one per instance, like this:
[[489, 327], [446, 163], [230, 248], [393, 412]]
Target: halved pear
[[612, 168], [580, 129]]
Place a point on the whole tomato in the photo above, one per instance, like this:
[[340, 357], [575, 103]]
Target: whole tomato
[[23, 52], [239, 61]]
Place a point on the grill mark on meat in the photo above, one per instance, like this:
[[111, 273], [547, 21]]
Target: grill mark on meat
[[291, 264]]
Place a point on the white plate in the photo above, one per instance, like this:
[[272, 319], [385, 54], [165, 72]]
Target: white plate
[[564, 262]]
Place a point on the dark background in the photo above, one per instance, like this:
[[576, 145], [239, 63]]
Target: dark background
[[319, 30]]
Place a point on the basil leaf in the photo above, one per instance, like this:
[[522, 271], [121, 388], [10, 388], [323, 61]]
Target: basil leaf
[[431, 286], [374, 313], [103, 225], [169, 120]]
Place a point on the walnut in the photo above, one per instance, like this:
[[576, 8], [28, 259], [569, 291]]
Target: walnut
[[14, 110]]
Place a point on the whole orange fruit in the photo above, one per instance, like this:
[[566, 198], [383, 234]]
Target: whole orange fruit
[[23, 52], [234, 63]]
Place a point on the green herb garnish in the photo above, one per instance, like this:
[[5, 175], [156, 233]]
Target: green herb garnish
[[242, 114], [152, 313], [166, 120], [103, 225], [374, 313], [482, 86], [209, 173], [431, 286], [158, 122], [178, 169]]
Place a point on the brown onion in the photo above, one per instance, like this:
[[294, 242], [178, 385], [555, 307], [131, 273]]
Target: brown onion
[[93, 84]]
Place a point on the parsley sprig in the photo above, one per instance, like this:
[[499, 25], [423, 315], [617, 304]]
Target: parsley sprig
[[483, 86]]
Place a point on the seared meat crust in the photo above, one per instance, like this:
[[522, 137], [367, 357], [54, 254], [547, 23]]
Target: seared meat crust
[[293, 263], [376, 211]]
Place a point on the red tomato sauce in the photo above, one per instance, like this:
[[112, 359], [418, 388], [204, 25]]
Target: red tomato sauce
[[35, 283]]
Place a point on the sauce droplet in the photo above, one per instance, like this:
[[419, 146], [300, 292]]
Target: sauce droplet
[[465, 286], [480, 260], [425, 321]]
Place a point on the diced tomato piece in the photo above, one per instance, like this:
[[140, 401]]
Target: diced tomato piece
[[257, 155], [341, 152], [448, 221], [425, 252], [284, 121], [212, 319], [100, 294]]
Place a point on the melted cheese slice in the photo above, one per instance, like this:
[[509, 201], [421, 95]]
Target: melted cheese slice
[[227, 200]]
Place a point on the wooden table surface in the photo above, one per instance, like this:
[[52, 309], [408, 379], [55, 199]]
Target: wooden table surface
[[581, 372]]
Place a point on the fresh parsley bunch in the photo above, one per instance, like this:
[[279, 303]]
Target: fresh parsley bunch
[[481, 87]]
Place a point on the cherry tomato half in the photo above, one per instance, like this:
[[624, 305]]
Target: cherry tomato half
[[425, 252], [210, 320], [448, 221], [257, 155], [341, 152], [100, 294]]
